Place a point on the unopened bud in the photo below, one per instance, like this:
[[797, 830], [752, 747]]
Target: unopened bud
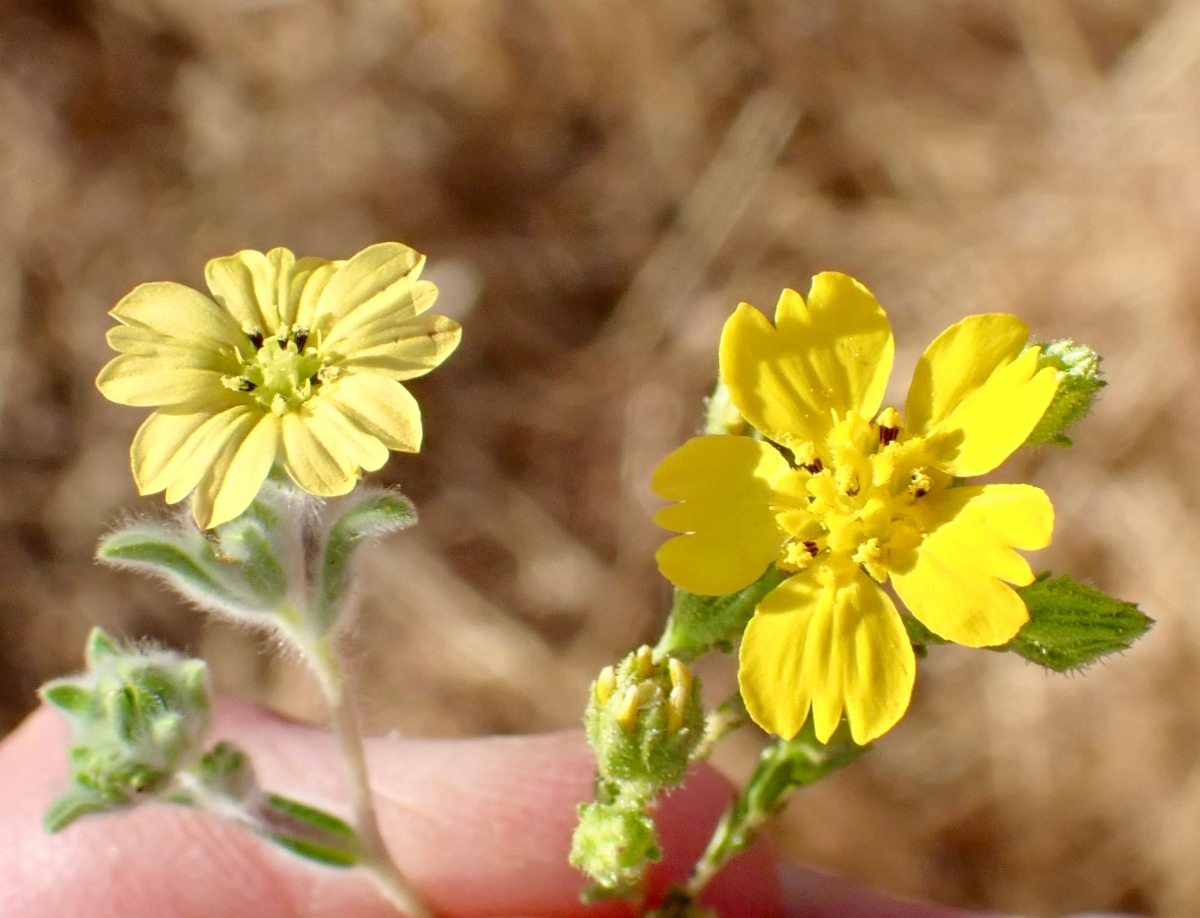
[[138, 716], [1079, 383], [644, 720]]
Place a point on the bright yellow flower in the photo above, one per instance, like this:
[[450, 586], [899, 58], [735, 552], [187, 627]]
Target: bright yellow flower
[[869, 497], [299, 360]]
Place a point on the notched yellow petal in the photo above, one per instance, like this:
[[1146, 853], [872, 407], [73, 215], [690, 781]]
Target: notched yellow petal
[[726, 486], [827, 642], [820, 361]]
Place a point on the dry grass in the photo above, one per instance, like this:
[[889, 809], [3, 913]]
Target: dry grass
[[1035, 156]]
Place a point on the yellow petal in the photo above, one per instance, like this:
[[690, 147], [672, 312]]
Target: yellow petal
[[407, 350], [247, 285], [380, 406], [726, 485], [316, 463], [294, 280], [382, 318], [198, 453], [331, 426], [380, 277], [237, 474], [830, 643], [976, 396], [954, 580], [170, 377], [832, 355], [136, 341], [176, 311], [165, 441], [307, 287]]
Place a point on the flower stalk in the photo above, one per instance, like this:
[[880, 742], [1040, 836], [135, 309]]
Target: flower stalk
[[375, 858]]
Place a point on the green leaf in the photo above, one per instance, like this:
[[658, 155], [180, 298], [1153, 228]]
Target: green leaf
[[311, 833], [1071, 624], [368, 515], [698, 624], [1078, 385], [68, 696], [183, 559], [74, 804], [245, 543], [100, 647]]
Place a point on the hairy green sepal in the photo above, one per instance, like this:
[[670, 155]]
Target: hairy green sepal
[[698, 624], [1079, 383]]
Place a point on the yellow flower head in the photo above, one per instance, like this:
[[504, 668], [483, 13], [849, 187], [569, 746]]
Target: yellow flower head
[[299, 360], [868, 497]]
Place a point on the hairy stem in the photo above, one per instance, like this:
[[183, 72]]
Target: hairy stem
[[375, 858], [784, 766]]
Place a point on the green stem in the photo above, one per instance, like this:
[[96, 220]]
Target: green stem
[[728, 716], [375, 858], [784, 766]]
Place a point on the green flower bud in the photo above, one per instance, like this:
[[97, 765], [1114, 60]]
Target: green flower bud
[[1078, 385], [139, 716], [612, 844], [644, 721]]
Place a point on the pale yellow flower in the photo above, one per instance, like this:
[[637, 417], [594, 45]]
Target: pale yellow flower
[[295, 360], [845, 497]]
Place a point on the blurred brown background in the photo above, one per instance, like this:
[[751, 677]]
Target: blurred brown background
[[597, 184]]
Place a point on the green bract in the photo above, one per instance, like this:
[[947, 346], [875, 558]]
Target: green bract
[[138, 716], [259, 567]]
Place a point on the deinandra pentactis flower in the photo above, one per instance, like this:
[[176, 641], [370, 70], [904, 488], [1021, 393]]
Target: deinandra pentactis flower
[[845, 498], [299, 361]]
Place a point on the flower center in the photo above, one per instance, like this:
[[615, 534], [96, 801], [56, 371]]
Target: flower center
[[283, 372], [863, 497]]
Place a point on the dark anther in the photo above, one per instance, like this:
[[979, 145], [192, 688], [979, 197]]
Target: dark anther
[[247, 386], [919, 492], [812, 548], [888, 435], [813, 467], [256, 339], [282, 344], [301, 340]]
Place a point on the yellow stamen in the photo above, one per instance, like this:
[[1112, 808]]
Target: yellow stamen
[[680, 675], [920, 484], [676, 708], [889, 422], [606, 683], [645, 661], [627, 717], [797, 555]]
